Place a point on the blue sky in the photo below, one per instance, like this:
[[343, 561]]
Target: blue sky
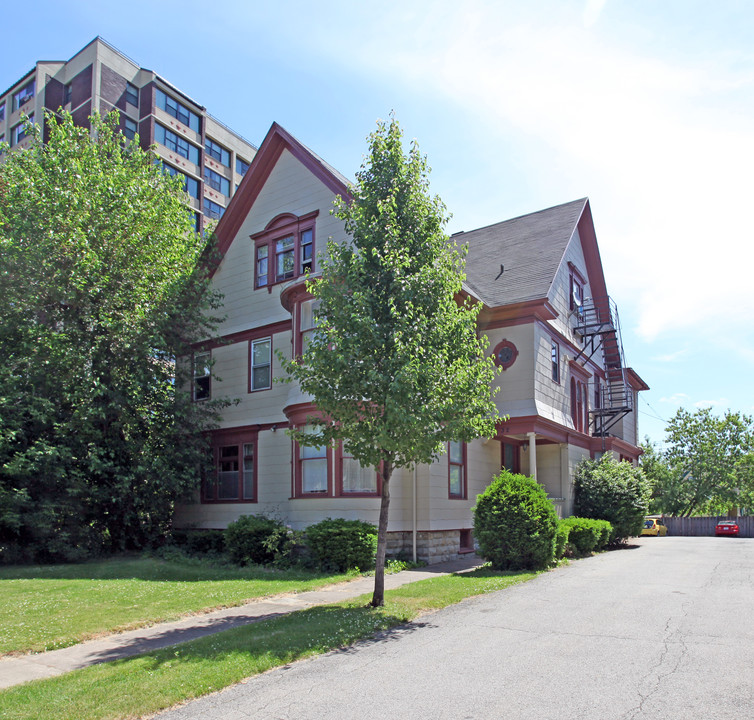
[[646, 107]]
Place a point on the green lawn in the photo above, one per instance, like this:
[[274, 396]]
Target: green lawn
[[148, 683], [48, 607]]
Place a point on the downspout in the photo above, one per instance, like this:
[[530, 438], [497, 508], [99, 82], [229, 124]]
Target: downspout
[[413, 519]]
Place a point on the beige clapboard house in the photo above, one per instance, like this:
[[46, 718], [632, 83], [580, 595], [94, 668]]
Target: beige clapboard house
[[552, 329]]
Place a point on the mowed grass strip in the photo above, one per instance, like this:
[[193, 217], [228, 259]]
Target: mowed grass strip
[[146, 684], [49, 607]]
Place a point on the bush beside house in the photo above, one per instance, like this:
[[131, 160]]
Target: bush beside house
[[618, 492], [515, 523]]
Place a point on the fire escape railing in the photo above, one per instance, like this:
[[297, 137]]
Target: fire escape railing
[[599, 327]]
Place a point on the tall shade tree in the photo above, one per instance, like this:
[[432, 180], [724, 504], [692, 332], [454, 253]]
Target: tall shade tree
[[101, 292], [707, 457], [396, 368]]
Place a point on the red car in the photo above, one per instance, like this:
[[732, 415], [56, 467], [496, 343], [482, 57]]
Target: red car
[[726, 527]]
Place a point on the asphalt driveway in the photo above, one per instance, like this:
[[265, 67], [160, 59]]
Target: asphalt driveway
[[663, 630]]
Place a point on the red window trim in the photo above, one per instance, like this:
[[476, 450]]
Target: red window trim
[[579, 404], [281, 226], [298, 491], [272, 355], [465, 475], [225, 438]]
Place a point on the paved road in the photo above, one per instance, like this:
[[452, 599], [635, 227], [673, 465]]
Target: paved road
[[665, 630]]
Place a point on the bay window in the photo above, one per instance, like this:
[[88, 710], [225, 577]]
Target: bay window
[[284, 250]]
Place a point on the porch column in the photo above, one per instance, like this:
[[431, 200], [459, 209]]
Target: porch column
[[532, 454]]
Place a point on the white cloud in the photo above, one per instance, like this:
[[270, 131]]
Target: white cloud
[[676, 399], [664, 148], [720, 403]]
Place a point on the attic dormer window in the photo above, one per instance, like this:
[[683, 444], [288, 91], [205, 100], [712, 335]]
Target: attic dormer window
[[284, 250]]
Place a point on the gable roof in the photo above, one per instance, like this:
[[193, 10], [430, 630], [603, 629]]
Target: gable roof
[[530, 249], [276, 140]]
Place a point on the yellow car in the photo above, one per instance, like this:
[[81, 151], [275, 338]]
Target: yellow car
[[654, 526]]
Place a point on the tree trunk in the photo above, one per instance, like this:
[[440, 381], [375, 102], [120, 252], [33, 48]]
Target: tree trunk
[[378, 598]]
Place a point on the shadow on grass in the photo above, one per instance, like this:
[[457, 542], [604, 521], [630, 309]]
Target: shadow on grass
[[281, 640]]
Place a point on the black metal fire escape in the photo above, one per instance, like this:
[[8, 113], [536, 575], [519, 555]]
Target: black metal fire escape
[[599, 327]]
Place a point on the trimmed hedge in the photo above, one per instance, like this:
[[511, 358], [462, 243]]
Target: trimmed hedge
[[339, 545], [515, 523], [586, 534], [561, 539], [256, 539]]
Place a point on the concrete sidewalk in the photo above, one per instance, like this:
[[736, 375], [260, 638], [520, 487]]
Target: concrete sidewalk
[[17, 670]]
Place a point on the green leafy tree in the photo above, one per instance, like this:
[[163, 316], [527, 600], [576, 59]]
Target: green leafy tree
[[396, 367], [618, 492], [705, 463], [658, 474], [100, 291]]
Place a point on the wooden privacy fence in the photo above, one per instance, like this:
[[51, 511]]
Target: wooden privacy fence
[[706, 525]]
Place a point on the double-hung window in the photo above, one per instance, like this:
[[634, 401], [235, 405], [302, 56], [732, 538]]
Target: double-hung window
[[261, 365], [284, 250], [555, 361], [202, 375], [129, 128], [285, 253], [241, 166], [22, 96], [456, 469], [355, 478], [313, 462], [19, 132], [132, 94]]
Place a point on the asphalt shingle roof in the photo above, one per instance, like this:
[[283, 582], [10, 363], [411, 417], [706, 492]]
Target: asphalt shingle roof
[[530, 248]]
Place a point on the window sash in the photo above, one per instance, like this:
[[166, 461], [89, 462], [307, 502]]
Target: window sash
[[261, 364], [132, 94], [284, 258], [202, 375], [357, 478], [22, 96], [555, 359], [456, 469]]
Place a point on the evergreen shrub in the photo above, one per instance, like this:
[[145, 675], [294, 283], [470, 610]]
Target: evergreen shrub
[[586, 534], [338, 544], [561, 539], [256, 539], [515, 523], [618, 492]]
